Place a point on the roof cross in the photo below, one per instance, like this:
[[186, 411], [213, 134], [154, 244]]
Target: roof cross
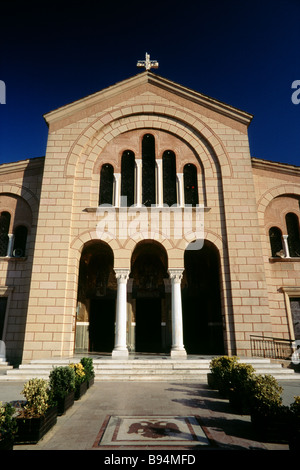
[[147, 63]]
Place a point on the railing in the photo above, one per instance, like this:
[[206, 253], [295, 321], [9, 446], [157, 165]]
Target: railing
[[273, 348]]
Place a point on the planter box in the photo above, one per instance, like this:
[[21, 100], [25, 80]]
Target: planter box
[[294, 438], [80, 390], [63, 404], [31, 430], [271, 429], [7, 444], [212, 381], [239, 402], [90, 382]]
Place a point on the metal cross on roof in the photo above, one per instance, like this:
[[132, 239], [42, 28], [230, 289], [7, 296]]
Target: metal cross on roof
[[147, 63]]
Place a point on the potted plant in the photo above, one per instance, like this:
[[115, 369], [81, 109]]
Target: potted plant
[[220, 376], [242, 376], [269, 417], [80, 380], [88, 366], [294, 435], [62, 387], [8, 426], [38, 415]]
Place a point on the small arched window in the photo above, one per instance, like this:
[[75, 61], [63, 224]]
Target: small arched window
[[292, 225], [148, 170], [4, 228], [169, 178], [20, 239], [106, 184], [275, 237], [190, 184], [127, 177]]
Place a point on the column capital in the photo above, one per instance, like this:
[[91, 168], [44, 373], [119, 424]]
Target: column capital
[[122, 274], [175, 274]]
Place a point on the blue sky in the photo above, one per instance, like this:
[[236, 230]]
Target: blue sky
[[244, 53]]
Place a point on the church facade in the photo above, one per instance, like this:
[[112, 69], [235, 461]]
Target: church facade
[[147, 228]]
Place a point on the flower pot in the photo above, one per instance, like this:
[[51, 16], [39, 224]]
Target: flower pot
[[80, 390], [7, 443], [63, 404], [31, 430]]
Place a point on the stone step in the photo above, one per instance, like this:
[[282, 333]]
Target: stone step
[[144, 369]]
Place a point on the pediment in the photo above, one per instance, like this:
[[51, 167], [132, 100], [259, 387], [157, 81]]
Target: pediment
[[152, 85]]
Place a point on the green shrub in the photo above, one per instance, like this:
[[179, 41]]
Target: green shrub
[[242, 376], [79, 373], [8, 423], [37, 395], [221, 367], [265, 394], [88, 366], [295, 408], [61, 381]]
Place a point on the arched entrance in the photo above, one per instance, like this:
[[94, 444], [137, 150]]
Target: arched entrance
[[150, 305], [201, 301], [95, 322]]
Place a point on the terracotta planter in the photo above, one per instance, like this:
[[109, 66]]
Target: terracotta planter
[[63, 404], [31, 430], [80, 390]]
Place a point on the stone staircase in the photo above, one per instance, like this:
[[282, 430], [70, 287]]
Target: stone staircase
[[139, 368]]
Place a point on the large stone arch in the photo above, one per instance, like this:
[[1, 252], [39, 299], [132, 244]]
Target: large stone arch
[[110, 124]]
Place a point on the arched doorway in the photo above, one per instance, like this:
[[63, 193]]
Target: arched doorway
[[201, 301], [150, 304], [95, 322]]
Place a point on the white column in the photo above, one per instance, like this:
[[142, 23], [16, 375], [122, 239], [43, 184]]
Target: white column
[[159, 183], [120, 349], [178, 349], [286, 246], [180, 189], [10, 244], [117, 189], [138, 181]]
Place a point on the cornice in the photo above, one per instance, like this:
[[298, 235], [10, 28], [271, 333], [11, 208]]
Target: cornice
[[156, 81], [277, 167]]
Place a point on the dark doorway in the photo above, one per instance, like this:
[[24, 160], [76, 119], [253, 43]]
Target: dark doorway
[[102, 325], [149, 272], [148, 325], [97, 288], [201, 302]]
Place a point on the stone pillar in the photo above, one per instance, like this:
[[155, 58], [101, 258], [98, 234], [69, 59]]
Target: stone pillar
[[138, 181], [10, 245], [178, 349], [286, 246], [159, 183], [117, 195], [120, 349], [180, 186]]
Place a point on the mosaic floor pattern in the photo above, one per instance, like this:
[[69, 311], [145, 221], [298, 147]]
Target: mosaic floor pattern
[[151, 431]]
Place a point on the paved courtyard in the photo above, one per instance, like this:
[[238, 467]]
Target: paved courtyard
[[149, 416]]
